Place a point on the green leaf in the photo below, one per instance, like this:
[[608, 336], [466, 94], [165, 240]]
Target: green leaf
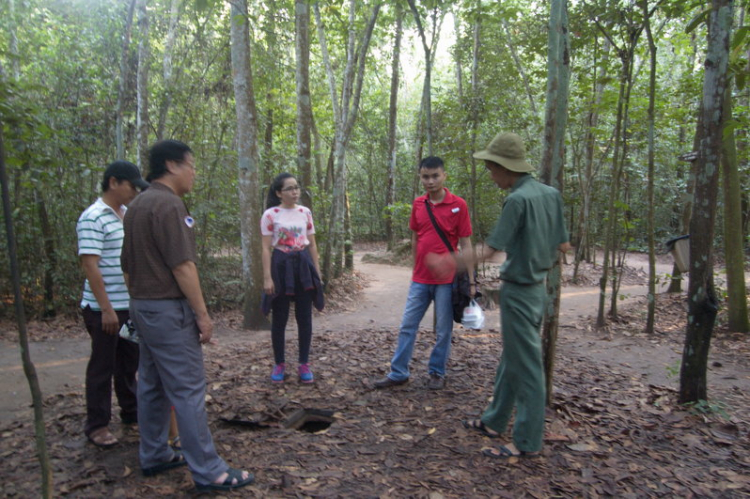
[[700, 18], [740, 36]]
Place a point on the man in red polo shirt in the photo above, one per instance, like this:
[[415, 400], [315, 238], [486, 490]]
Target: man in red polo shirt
[[432, 278]]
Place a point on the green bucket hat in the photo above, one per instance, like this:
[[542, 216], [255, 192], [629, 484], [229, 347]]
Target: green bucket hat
[[507, 150]]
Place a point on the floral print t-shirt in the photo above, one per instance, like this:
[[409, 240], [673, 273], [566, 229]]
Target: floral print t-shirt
[[288, 226]]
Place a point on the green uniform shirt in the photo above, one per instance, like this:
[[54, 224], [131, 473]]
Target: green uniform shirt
[[530, 229]]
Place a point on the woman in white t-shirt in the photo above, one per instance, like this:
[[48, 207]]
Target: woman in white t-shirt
[[290, 271]]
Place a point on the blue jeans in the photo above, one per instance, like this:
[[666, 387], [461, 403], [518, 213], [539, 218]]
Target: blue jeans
[[420, 296]]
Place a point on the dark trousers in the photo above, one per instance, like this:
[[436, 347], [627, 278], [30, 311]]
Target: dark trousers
[[111, 357], [302, 312]]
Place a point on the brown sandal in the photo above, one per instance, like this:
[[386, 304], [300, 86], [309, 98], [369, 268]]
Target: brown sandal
[[102, 437]]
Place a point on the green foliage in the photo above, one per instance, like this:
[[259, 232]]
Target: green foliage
[[59, 116], [399, 214], [708, 408], [673, 370]]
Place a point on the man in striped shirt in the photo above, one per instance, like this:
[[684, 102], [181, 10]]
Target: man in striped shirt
[[105, 303]]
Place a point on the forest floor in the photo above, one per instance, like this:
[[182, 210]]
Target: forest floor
[[614, 428]]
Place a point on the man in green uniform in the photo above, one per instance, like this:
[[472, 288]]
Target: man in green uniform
[[531, 230]]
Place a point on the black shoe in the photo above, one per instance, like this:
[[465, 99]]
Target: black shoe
[[388, 382], [436, 382], [129, 420], [177, 460]]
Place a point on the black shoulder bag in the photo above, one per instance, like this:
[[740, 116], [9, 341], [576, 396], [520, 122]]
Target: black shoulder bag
[[461, 292]]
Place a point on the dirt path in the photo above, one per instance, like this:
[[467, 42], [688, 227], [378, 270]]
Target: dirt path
[[61, 364], [614, 428], [384, 299]]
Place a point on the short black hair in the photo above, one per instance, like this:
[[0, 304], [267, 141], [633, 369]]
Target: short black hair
[[163, 151], [117, 169], [432, 162]]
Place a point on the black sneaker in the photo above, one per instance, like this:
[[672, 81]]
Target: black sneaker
[[436, 382], [388, 382]]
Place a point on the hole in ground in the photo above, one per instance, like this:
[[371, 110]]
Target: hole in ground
[[310, 420]]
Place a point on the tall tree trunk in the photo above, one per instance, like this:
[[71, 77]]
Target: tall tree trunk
[[268, 163], [742, 145], [348, 243], [47, 484], [584, 247], [613, 194], [50, 261], [675, 284], [702, 299], [474, 110], [390, 195], [651, 310], [457, 58], [321, 171], [142, 84], [427, 88], [512, 47], [271, 71], [304, 104], [618, 160], [123, 82], [418, 146], [174, 17], [737, 318], [50, 258], [247, 166], [345, 115], [553, 159]]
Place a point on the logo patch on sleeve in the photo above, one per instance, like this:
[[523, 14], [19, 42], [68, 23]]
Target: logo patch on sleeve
[[456, 210], [189, 221]]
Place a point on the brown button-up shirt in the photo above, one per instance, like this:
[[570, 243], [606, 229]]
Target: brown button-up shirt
[[159, 235]]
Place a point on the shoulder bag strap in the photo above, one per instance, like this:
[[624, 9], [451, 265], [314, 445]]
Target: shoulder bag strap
[[437, 227]]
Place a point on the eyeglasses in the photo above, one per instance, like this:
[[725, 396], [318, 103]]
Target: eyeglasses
[[291, 188]]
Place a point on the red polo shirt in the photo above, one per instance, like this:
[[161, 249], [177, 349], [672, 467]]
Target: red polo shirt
[[452, 215]]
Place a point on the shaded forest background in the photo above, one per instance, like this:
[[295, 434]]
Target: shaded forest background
[[85, 82]]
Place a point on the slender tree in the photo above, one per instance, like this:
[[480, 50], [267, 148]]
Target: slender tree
[[553, 158], [23, 338], [702, 299], [123, 80], [589, 173], [304, 103], [519, 66], [632, 33], [651, 308], [144, 54], [475, 109], [272, 73], [248, 162], [345, 111], [428, 58], [737, 318], [390, 196], [167, 67], [675, 283]]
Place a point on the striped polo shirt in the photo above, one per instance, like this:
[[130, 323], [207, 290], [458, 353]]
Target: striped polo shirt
[[100, 233]]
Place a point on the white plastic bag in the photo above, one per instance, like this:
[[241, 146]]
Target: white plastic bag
[[128, 332], [473, 316]]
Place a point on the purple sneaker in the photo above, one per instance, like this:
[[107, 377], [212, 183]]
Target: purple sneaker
[[305, 374], [277, 376]]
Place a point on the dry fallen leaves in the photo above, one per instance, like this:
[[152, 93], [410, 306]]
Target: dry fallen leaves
[[608, 434]]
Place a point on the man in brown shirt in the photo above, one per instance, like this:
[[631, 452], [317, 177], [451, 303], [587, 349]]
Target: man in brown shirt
[[158, 261]]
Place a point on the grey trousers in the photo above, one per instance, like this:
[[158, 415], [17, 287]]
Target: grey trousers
[[171, 372]]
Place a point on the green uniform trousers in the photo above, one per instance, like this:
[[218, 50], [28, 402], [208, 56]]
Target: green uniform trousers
[[519, 380]]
